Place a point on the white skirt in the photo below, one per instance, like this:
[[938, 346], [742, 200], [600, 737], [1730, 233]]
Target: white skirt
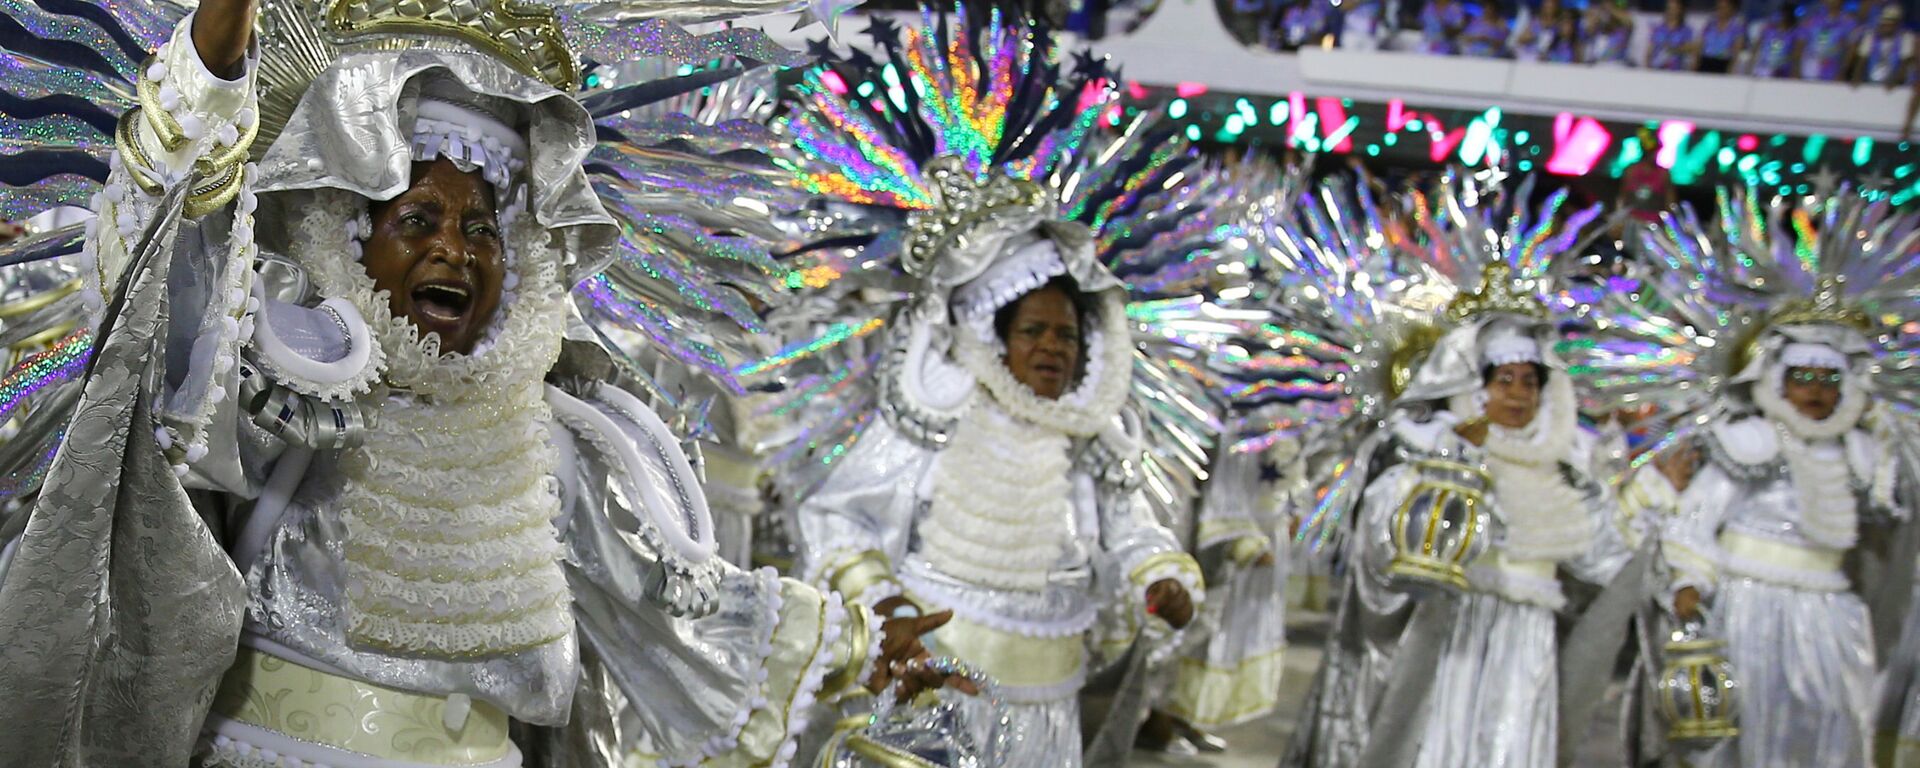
[[1804, 663], [1496, 691]]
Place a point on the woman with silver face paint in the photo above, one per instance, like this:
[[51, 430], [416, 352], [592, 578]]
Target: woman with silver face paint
[[1765, 505]]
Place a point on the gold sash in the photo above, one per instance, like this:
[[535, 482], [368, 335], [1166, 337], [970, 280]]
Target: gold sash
[[309, 705]]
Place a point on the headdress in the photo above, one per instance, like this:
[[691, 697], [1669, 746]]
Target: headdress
[[657, 187], [1376, 304], [1718, 302], [965, 143]]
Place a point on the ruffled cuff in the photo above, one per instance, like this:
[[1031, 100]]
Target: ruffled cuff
[[1246, 549], [1219, 530], [806, 646], [855, 654], [865, 576], [1178, 566], [190, 117]]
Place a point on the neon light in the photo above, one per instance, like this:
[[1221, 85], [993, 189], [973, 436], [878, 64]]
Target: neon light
[[1188, 90], [1297, 106], [1579, 143], [837, 84], [1862, 150], [1520, 137], [1526, 165], [1748, 142], [1136, 91], [1672, 134], [1332, 112], [1396, 115], [1816, 144], [1277, 114], [1443, 144], [1248, 115], [1339, 138], [1177, 108], [1193, 133]]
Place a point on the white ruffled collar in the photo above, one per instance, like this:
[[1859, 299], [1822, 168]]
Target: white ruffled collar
[[523, 345]]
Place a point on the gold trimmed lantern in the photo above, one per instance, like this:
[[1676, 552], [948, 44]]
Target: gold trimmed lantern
[[1697, 690], [1441, 526]]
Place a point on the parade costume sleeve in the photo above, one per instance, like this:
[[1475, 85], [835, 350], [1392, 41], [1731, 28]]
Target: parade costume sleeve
[[1689, 542], [121, 610], [1607, 552], [857, 526], [728, 687]]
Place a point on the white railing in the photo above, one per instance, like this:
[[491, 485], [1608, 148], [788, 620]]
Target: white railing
[[1185, 41]]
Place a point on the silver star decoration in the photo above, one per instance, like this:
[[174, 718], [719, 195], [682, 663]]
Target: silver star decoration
[[1824, 181], [1876, 182], [827, 14]]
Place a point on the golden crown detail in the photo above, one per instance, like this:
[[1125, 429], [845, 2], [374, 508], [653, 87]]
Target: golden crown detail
[[962, 201], [1827, 306], [1496, 293], [527, 37]]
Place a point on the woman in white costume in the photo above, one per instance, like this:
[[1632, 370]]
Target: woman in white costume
[[1779, 490], [339, 489], [1476, 505], [1013, 520]]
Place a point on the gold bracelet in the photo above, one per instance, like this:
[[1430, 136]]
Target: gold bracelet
[[859, 634]]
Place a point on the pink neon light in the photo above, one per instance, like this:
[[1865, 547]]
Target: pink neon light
[[834, 82], [1396, 115], [1297, 108], [1673, 133], [1136, 90], [1748, 143], [1189, 90], [1333, 115], [1444, 143], [1579, 143], [1094, 93]]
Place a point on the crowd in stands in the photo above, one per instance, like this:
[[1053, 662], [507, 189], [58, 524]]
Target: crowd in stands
[[1861, 41]]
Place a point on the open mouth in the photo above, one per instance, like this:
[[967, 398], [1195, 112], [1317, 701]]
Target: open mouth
[[445, 301]]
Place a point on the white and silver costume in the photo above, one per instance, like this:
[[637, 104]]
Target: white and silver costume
[[1494, 694], [1793, 530], [1761, 533], [284, 530], [1234, 676], [1018, 520]]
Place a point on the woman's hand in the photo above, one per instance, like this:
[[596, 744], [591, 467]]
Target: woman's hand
[[1686, 603], [1678, 464], [903, 658], [222, 30], [1473, 430], [1169, 600]]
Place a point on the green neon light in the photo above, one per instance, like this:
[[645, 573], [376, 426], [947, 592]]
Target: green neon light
[[1862, 150]]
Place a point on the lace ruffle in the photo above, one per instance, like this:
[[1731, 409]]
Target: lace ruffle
[[1000, 510]]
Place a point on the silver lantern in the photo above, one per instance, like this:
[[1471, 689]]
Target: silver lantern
[[1442, 525]]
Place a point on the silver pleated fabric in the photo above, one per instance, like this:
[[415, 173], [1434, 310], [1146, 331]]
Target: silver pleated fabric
[[1804, 660], [1497, 691], [1027, 734]]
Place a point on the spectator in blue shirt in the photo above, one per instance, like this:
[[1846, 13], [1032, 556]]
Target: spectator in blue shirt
[[1826, 38], [1776, 47], [1722, 39], [1486, 35], [1532, 36], [1564, 47], [1443, 21], [1670, 45], [1304, 23], [1609, 33], [1885, 55]]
